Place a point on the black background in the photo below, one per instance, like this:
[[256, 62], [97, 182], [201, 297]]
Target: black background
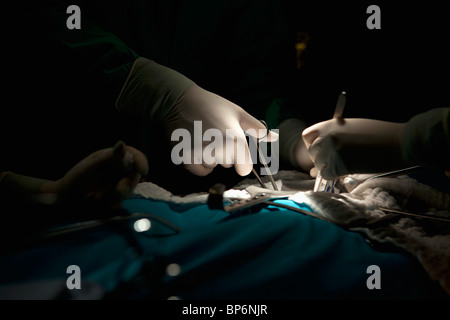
[[50, 119], [390, 73]]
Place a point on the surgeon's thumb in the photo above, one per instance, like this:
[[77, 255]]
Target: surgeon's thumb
[[257, 128], [309, 135]]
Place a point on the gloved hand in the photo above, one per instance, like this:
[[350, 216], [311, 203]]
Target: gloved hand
[[341, 147], [231, 122], [169, 98], [99, 181], [104, 178]]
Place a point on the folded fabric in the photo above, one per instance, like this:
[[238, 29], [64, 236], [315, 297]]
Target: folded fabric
[[380, 209]]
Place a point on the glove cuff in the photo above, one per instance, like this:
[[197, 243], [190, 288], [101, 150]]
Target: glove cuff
[[151, 89], [290, 132]]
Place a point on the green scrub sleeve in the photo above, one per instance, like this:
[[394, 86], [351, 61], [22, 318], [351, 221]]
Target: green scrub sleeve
[[139, 85], [426, 139], [100, 54]]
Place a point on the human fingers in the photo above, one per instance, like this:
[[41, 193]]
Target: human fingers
[[239, 154], [313, 172], [136, 158], [311, 133], [198, 169], [257, 128]]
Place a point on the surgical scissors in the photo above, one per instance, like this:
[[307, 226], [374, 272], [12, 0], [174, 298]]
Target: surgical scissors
[[263, 161]]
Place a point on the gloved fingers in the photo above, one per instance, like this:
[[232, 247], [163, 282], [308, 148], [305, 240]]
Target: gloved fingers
[[317, 147], [137, 159], [329, 161], [125, 185], [323, 149], [226, 164], [198, 169], [209, 157], [215, 150], [129, 158], [243, 168], [322, 152], [221, 155], [334, 169], [311, 133], [256, 129], [319, 158], [313, 172], [200, 165], [241, 156], [271, 137], [117, 179]]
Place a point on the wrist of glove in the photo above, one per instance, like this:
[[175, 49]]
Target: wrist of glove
[[151, 89], [355, 146]]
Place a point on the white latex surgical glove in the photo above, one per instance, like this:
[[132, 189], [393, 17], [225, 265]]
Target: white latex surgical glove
[[341, 147], [205, 129], [217, 129]]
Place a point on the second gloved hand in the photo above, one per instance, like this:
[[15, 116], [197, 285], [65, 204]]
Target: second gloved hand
[[355, 146]]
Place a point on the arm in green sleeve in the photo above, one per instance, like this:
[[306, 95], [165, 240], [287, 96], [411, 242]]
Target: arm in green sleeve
[[99, 53], [140, 85], [426, 139]]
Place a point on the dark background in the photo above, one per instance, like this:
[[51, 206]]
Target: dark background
[[52, 116], [391, 73]]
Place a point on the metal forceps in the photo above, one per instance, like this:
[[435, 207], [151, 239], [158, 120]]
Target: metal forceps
[[263, 161], [329, 185]]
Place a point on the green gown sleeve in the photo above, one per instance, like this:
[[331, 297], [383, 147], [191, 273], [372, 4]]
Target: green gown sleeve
[[138, 85], [100, 54]]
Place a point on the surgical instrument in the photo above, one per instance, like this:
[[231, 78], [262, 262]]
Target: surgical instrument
[[329, 185], [263, 161]]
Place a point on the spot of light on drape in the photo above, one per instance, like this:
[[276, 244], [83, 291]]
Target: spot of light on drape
[[173, 269], [142, 225]]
